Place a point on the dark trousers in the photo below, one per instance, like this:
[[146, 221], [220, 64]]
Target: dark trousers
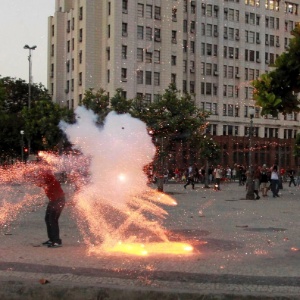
[[217, 183], [275, 187], [191, 181], [53, 212], [292, 180]]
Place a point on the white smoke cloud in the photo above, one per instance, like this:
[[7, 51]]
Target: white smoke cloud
[[118, 152]]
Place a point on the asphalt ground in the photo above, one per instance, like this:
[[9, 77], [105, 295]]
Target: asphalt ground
[[243, 249]]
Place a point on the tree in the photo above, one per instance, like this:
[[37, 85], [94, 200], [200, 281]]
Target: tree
[[40, 122], [120, 104], [210, 151], [97, 101], [170, 119], [277, 91]]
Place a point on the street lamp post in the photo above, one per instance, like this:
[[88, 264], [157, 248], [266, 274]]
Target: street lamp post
[[22, 144], [250, 186], [29, 84]]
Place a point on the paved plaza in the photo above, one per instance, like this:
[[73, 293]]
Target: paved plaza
[[243, 249]]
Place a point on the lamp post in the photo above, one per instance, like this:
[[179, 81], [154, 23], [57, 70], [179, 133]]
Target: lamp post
[[29, 83], [250, 186], [22, 144]]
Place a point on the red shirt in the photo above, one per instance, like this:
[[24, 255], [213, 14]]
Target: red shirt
[[50, 184]]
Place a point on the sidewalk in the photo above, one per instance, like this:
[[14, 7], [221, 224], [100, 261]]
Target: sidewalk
[[243, 249]]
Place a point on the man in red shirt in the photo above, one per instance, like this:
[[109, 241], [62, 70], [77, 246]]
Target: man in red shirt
[[42, 176]]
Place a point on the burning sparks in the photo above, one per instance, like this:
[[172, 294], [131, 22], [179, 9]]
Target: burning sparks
[[112, 200], [148, 249]]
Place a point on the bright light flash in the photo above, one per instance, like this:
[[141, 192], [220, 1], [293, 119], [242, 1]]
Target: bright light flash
[[122, 177]]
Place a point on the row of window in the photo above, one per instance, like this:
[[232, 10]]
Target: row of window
[[232, 130]]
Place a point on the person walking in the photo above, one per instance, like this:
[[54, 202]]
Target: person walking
[[292, 177], [264, 180], [42, 176], [256, 179], [218, 176], [190, 180], [274, 181]]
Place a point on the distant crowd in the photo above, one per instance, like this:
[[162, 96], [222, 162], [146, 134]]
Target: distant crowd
[[264, 178]]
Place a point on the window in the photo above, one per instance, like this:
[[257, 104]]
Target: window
[[80, 78], [80, 35], [108, 76], [156, 56], [148, 34], [209, 29], [124, 51], [208, 10], [185, 25], [173, 60], [124, 29], [208, 49], [231, 15], [108, 53], [156, 78], [174, 14], [208, 87], [140, 10], [140, 32], [124, 74], [157, 34], [184, 66], [149, 57], [149, 11], [157, 15], [148, 77], [140, 77], [108, 31], [173, 78], [147, 98], [80, 13], [184, 46], [140, 54], [208, 69], [52, 71], [174, 34], [125, 6], [68, 46]]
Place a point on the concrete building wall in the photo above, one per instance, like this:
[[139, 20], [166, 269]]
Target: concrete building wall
[[234, 43]]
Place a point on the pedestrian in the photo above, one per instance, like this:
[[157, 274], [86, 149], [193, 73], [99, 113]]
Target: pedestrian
[[264, 180], [218, 177], [228, 173], [41, 175], [234, 173], [190, 180], [274, 181], [292, 177], [256, 179]]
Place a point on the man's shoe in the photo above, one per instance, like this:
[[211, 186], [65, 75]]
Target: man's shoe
[[47, 243], [54, 245], [257, 197]]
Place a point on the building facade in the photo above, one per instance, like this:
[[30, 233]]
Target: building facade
[[210, 48]]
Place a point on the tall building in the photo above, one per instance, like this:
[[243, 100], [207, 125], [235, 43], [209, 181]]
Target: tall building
[[210, 48]]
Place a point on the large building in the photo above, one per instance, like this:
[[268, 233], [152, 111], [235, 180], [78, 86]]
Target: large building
[[211, 48]]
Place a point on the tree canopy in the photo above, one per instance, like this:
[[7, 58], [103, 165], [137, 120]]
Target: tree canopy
[[277, 91], [40, 123]]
